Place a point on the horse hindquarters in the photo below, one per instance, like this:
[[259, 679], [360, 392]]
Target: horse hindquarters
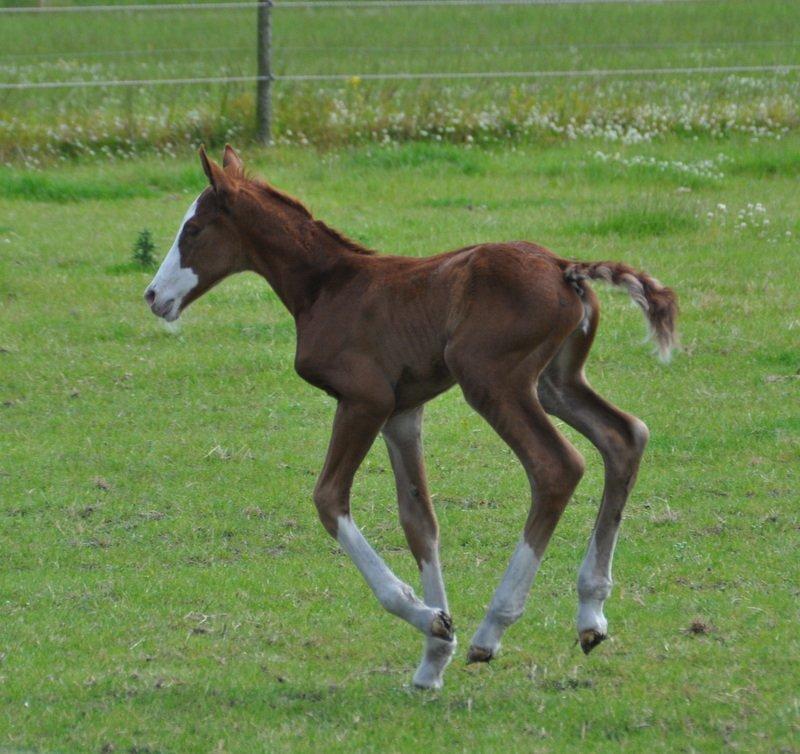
[[497, 354]]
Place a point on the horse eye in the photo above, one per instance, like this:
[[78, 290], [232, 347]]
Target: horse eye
[[191, 230]]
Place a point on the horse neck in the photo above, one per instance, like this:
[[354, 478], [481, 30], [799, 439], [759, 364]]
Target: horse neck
[[294, 253]]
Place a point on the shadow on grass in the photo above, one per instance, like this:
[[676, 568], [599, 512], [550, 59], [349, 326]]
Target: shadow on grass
[[49, 188], [421, 154], [134, 182], [641, 222]]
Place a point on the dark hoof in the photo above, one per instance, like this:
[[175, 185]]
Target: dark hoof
[[442, 626], [478, 654], [590, 639]]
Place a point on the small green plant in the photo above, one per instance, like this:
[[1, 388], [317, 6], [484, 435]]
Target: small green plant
[[143, 250]]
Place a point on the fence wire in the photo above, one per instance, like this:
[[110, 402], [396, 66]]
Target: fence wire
[[313, 4], [532, 47], [400, 76]]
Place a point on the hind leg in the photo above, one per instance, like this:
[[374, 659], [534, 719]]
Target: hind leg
[[504, 395], [621, 439], [403, 435]]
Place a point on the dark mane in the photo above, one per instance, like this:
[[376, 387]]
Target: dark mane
[[295, 203]]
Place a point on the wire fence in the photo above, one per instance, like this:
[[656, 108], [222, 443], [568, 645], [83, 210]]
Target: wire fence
[[290, 48], [313, 4], [400, 76], [281, 60]]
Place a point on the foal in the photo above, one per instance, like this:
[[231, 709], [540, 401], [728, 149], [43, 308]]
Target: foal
[[512, 323]]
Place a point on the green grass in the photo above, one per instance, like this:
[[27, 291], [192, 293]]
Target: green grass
[[636, 221], [42, 125], [166, 586]]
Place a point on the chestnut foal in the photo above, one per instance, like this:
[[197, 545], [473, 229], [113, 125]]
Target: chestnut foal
[[512, 323]]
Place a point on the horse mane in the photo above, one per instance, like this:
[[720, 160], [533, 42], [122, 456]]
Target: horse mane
[[296, 204]]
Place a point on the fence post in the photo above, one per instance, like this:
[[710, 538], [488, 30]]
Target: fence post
[[264, 84]]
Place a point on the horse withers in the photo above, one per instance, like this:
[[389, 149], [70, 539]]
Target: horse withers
[[511, 323]]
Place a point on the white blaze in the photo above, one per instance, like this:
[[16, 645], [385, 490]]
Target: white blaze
[[172, 282]]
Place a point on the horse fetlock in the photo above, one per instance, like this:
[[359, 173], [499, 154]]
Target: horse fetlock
[[592, 624], [442, 626], [485, 644], [507, 615], [593, 589], [438, 653]]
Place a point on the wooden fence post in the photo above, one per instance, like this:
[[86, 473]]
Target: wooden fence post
[[264, 83]]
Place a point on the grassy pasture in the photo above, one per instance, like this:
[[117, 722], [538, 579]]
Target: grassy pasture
[[165, 584], [204, 43]]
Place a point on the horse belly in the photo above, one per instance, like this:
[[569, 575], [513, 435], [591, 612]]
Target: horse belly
[[416, 387]]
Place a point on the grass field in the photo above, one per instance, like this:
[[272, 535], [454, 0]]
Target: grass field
[[37, 126], [166, 586]]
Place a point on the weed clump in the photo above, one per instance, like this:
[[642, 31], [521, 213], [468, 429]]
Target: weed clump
[[699, 627], [143, 250]]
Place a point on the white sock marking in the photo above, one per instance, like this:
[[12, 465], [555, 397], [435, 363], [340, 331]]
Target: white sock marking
[[509, 599], [433, 584], [438, 652], [594, 586], [398, 598]]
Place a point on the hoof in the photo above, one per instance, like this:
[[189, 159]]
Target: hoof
[[479, 654], [442, 626], [427, 685], [590, 639]]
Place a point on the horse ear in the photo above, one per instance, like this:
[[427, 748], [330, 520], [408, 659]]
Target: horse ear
[[216, 176], [231, 162]]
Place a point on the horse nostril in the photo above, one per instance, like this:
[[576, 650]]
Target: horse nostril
[[150, 296]]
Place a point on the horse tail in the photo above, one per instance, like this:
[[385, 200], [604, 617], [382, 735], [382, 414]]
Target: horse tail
[[659, 303]]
